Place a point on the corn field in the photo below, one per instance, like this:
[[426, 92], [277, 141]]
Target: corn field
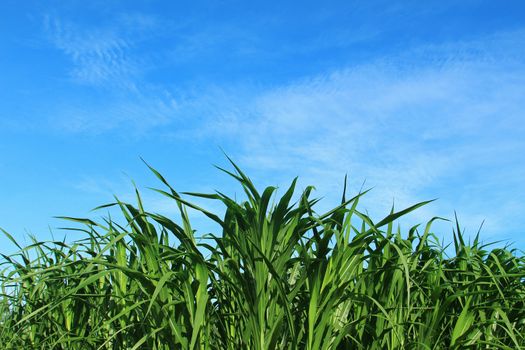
[[277, 275]]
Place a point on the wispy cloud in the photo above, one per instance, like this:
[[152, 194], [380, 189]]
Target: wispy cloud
[[108, 58], [99, 56], [136, 114], [414, 126]]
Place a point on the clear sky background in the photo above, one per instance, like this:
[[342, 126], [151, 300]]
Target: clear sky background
[[422, 99]]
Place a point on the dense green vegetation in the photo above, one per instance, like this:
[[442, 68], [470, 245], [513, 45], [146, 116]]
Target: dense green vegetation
[[278, 275]]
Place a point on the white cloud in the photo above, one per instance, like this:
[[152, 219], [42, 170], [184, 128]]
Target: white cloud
[[136, 114], [437, 121], [100, 56], [412, 128], [108, 58]]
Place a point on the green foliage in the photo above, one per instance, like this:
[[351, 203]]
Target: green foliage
[[278, 276]]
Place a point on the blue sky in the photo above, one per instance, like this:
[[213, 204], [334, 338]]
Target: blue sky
[[421, 100]]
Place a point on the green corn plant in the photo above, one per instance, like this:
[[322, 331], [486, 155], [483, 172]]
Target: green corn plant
[[276, 275]]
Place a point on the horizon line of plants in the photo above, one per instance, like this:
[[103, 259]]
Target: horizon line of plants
[[278, 275]]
